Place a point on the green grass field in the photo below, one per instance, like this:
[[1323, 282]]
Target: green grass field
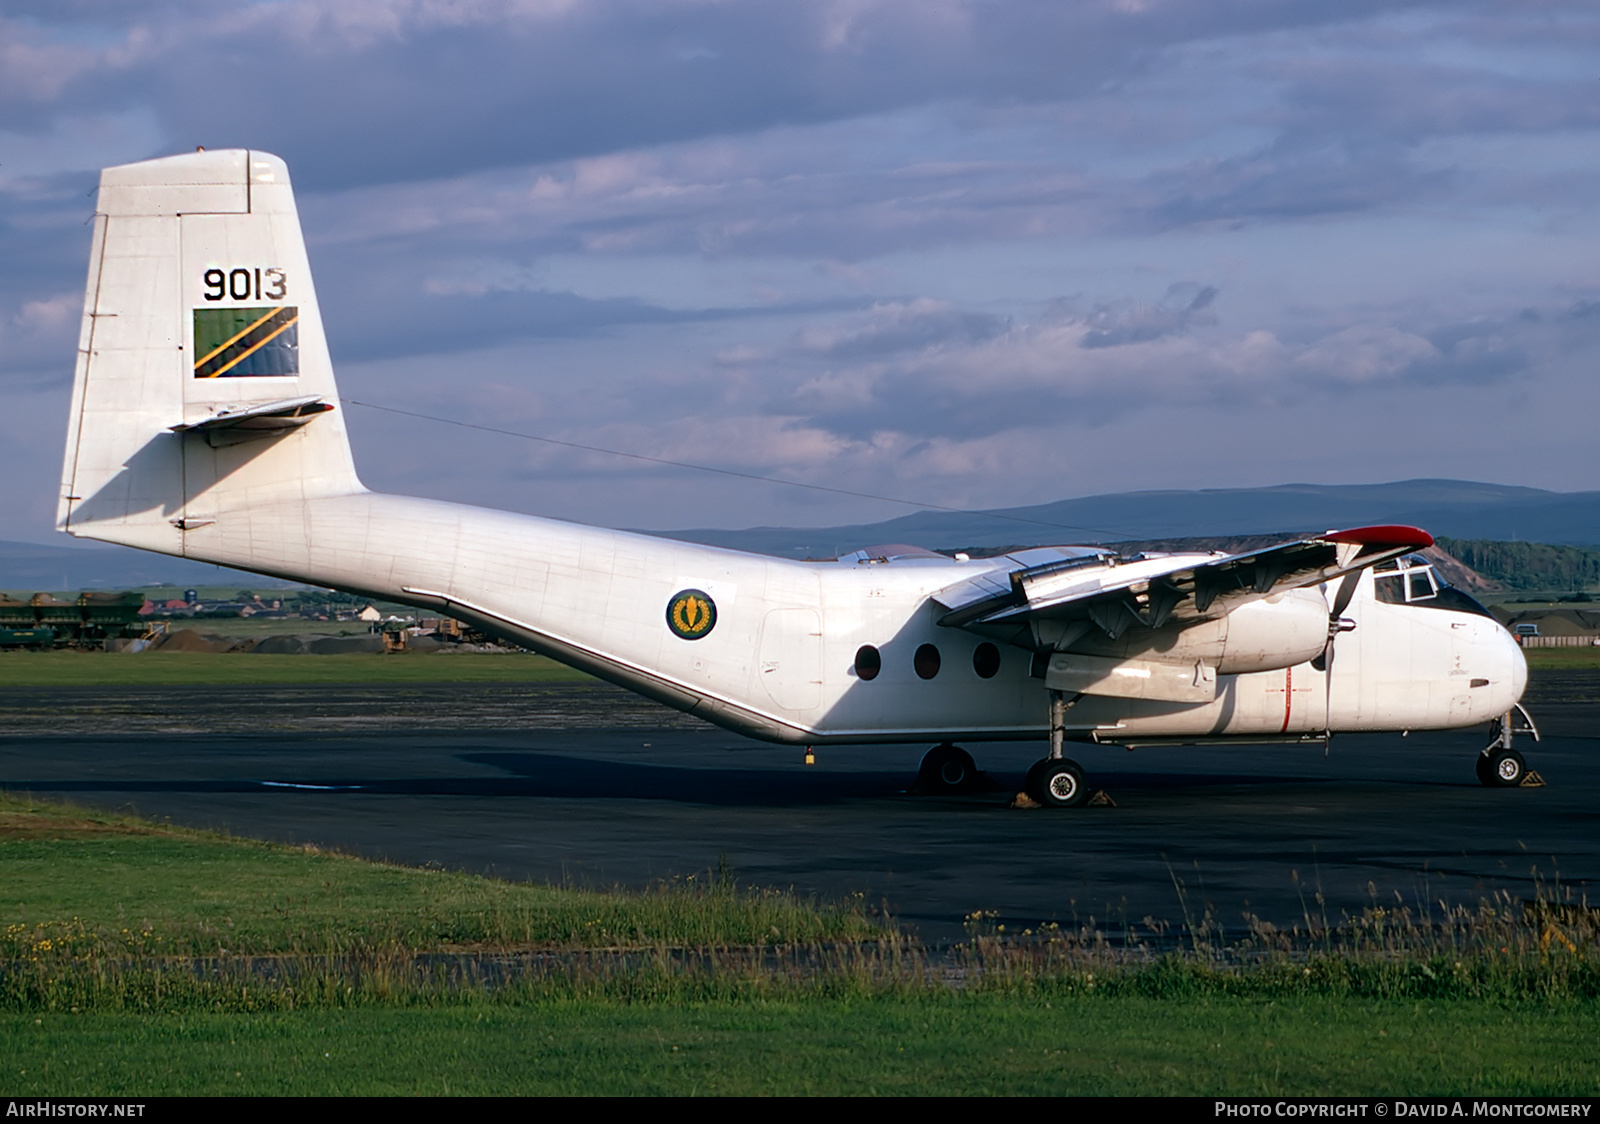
[[157, 668], [1562, 659], [124, 972], [983, 1045], [242, 627], [108, 882]]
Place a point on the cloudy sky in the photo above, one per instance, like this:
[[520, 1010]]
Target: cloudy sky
[[973, 252]]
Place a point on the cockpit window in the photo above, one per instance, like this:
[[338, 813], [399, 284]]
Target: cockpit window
[[1413, 581], [1449, 597]]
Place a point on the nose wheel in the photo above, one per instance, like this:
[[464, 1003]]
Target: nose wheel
[[1500, 766]]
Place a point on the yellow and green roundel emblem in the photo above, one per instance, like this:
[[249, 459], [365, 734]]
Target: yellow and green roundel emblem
[[691, 614]]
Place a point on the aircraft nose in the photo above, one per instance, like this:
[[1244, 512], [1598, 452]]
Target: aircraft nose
[[1498, 656], [1510, 670], [1519, 666]]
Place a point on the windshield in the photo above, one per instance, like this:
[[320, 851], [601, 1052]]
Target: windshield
[[1413, 581]]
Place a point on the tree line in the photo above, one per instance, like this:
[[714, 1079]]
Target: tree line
[[1528, 565]]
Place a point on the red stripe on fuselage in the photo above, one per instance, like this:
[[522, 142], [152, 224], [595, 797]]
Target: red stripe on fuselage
[[1288, 697]]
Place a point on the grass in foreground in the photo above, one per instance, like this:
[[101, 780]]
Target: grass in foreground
[[142, 959], [947, 1044], [153, 669], [98, 884]]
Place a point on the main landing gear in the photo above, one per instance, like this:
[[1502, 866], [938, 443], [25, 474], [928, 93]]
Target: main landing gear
[[1058, 781], [1055, 782], [947, 769], [1500, 766]]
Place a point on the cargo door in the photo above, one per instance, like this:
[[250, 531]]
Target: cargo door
[[790, 658]]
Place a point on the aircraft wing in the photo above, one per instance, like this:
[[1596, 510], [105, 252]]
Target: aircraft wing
[[1165, 589]]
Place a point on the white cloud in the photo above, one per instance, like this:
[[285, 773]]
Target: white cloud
[[1367, 353]]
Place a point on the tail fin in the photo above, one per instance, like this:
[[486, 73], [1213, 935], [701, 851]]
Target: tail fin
[[203, 376]]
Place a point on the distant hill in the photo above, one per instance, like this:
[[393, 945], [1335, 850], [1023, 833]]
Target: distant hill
[[1458, 508], [33, 567]]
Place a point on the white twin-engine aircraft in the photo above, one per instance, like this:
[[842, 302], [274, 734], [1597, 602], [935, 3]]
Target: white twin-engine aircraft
[[204, 424]]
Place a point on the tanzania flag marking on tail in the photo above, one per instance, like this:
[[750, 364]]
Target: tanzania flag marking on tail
[[238, 342]]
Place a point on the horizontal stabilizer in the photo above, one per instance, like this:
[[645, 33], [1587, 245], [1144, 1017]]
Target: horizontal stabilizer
[[233, 424]]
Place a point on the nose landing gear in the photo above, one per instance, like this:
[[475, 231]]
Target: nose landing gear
[[1500, 766]]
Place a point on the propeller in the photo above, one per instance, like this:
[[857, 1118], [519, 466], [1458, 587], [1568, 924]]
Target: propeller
[[1336, 624]]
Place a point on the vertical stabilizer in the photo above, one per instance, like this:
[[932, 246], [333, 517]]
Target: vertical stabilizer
[[203, 378]]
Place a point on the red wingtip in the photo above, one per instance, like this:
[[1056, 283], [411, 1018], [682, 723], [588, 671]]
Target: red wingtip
[[1389, 535]]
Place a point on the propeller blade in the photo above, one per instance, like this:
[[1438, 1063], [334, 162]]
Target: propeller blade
[[1341, 601], [1346, 591]]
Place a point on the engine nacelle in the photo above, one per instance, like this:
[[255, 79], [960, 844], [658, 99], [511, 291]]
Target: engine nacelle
[[1266, 635], [1275, 632]]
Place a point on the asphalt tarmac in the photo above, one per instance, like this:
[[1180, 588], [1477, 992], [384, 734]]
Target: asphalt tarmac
[[589, 785]]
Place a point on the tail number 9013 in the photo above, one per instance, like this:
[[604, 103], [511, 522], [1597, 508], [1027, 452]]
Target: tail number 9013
[[246, 284]]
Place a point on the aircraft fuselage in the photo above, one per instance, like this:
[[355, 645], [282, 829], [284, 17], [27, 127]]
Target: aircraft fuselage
[[780, 661]]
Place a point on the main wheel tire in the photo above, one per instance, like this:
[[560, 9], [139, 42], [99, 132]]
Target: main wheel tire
[[1484, 768], [1058, 782], [946, 769], [1505, 767], [1033, 785]]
